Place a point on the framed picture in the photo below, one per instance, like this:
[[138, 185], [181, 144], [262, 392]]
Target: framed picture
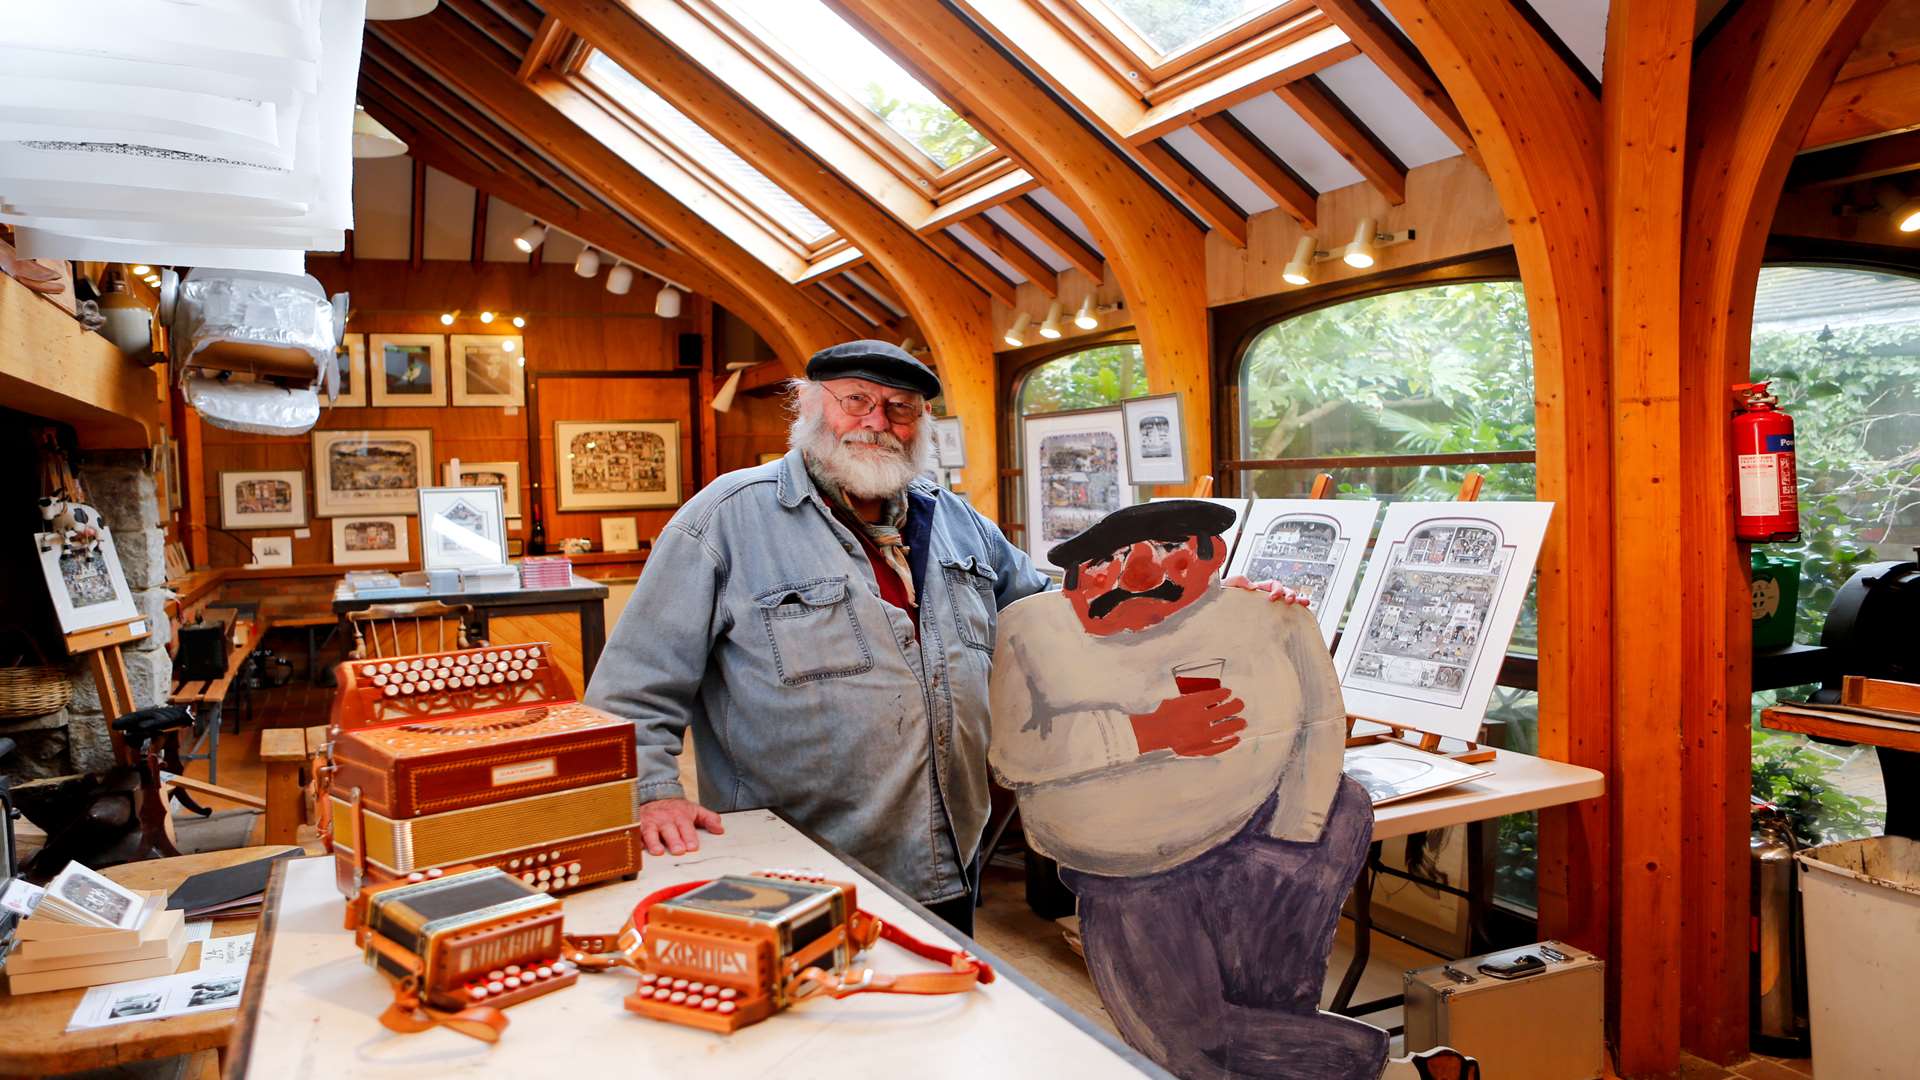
[[462, 527], [1156, 444], [616, 464], [949, 443], [1436, 610], [370, 472], [619, 534], [1312, 546], [263, 500], [88, 587], [504, 475], [1075, 473], [370, 540], [272, 551], [350, 362], [407, 369], [487, 370]]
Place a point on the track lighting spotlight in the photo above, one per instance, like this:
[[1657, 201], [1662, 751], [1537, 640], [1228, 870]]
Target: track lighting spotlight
[[587, 263], [1359, 254], [1017, 333], [1050, 327], [519, 322], [531, 237], [723, 400], [507, 345], [620, 279], [1906, 216], [141, 270], [1299, 269], [1087, 318], [486, 317], [666, 303], [446, 318]]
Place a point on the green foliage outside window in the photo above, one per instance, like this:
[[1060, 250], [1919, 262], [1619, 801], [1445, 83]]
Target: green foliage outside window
[[937, 130], [1089, 379], [1172, 25]]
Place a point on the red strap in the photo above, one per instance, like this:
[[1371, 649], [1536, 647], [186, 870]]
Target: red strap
[[640, 910], [954, 958]]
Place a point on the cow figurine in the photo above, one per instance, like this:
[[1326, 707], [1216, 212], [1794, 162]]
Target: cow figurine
[[76, 524]]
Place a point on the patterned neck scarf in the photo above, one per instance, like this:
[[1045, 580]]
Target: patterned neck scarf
[[883, 534]]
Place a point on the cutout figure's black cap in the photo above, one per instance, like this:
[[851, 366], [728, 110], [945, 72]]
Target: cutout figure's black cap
[[1173, 520], [876, 362]]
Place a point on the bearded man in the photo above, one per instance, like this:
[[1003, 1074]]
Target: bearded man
[[824, 623]]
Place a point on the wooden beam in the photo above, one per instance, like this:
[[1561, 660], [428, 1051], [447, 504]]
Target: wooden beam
[[1871, 104], [522, 14], [50, 366], [1057, 236], [549, 42], [1348, 136], [477, 252], [417, 216], [998, 192], [510, 38], [862, 304], [1316, 52], [841, 313], [976, 269], [1002, 243], [1856, 161], [1380, 42], [1184, 180], [1268, 173], [873, 283], [1757, 85]]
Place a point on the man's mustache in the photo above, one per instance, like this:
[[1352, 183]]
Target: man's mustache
[[1107, 601], [884, 439]]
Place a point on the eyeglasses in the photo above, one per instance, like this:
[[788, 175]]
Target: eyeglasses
[[898, 412]]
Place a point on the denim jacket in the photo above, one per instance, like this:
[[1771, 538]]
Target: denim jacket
[[758, 621]]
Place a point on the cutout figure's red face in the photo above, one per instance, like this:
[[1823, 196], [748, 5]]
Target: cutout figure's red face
[[1141, 584]]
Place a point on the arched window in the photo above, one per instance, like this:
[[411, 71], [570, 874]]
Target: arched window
[[1088, 379]]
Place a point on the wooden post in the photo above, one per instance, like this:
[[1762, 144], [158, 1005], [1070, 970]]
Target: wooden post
[[1322, 487]]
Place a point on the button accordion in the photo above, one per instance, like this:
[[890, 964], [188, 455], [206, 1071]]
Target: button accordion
[[478, 757]]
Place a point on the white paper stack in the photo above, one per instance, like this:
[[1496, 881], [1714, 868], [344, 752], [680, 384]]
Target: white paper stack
[[212, 133]]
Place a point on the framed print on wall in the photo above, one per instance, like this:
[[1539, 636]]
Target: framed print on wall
[[487, 370], [407, 369], [263, 500], [272, 551], [616, 464], [949, 442], [370, 472], [88, 587], [1156, 444], [350, 364], [462, 527], [360, 540], [504, 475], [1076, 473]]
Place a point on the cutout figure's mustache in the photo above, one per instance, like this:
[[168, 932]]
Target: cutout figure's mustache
[[1167, 590]]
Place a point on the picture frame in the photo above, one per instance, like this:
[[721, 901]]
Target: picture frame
[[949, 442], [619, 534], [504, 475], [616, 464], [360, 541], [272, 551], [1156, 439], [265, 499], [1075, 473], [350, 360], [1312, 546], [487, 371], [88, 588], [462, 527], [406, 370], [357, 472]]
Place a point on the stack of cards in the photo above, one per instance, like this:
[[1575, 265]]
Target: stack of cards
[[84, 898], [86, 930]]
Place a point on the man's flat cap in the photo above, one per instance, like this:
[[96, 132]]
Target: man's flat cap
[[876, 362], [1173, 521]]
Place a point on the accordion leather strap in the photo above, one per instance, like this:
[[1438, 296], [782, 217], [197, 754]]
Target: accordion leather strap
[[409, 1014]]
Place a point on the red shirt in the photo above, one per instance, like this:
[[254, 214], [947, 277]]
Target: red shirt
[[891, 589]]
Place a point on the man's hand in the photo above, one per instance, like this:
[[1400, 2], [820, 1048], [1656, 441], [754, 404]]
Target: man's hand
[[667, 825], [1277, 592], [1199, 724]]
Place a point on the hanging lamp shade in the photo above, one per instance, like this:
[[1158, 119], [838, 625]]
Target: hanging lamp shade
[[371, 139], [399, 9]]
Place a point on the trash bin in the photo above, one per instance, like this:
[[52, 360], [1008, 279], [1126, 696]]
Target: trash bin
[[1776, 598], [1861, 902]]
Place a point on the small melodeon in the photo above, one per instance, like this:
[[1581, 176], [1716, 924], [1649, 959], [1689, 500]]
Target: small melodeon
[[730, 952]]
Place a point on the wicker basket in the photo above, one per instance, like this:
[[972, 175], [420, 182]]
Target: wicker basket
[[32, 689]]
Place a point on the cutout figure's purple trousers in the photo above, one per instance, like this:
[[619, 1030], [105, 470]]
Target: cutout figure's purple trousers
[[1214, 968]]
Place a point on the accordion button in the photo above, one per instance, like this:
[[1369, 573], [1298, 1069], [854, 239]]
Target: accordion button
[[379, 680], [477, 993], [695, 989], [709, 1004], [416, 876], [512, 981], [572, 880], [649, 980], [728, 994], [527, 877], [677, 997], [512, 969], [496, 976], [556, 854], [679, 984], [574, 869], [439, 684], [391, 690], [563, 968], [513, 864], [435, 872], [544, 874], [724, 1007], [496, 987], [543, 971]]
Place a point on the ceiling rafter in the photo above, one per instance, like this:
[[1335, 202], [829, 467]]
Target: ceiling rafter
[[981, 199], [520, 13], [1261, 165], [422, 115], [838, 311], [550, 42], [500, 30], [1218, 211], [1002, 243], [1350, 138], [1854, 161], [1312, 54], [1056, 236], [976, 269], [851, 296], [877, 288], [1380, 42]]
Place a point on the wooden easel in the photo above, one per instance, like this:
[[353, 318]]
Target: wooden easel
[[102, 646], [1475, 753]]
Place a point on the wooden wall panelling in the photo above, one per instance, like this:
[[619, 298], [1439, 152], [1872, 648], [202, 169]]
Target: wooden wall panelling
[[1758, 81], [1878, 88], [1539, 131], [611, 395]]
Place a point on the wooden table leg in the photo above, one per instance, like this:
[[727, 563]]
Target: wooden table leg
[[283, 750]]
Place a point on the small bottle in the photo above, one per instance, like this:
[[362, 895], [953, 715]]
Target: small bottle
[[537, 535]]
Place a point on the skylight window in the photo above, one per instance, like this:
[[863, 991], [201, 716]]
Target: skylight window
[[693, 139], [811, 33], [1173, 26]]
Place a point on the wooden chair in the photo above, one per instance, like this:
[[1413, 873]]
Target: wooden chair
[[409, 629]]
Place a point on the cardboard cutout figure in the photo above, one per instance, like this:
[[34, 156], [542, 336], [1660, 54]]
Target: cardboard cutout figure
[[1176, 746]]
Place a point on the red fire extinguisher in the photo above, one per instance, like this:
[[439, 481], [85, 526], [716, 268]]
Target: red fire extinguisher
[[1769, 485]]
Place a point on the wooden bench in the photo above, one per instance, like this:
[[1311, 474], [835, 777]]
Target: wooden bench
[[207, 698], [286, 752]]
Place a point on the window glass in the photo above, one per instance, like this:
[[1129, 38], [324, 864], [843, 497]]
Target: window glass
[[1173, 25], [825, 43], [1103, 375]]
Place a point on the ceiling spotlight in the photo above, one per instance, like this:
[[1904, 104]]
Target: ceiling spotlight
[[1359, 254], [667, 303], [587, 263], [723, 400], [1087, 318], [1017, 333], [1050, 327], [1906, 216], [620, 279], [1299, 269], [446, 318], [508, 345], [486, 316], [521, 359], [141, 270], [519, 322], [399, 9], [152, 279], [531, 237]]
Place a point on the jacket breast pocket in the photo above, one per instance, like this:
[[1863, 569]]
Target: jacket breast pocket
[[970, 582], [813, 631]]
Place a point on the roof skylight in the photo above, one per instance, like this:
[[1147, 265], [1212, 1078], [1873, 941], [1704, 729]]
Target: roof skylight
[[1173, 26]]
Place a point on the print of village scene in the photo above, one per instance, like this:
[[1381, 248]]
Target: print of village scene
[[1080, 474], [1300, 554], [617, 462], [1425, 628], [375, 465]]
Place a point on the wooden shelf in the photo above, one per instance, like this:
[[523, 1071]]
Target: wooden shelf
[[50, 366]]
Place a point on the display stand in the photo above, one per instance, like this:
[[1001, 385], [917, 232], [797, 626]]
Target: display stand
[[102, 648]]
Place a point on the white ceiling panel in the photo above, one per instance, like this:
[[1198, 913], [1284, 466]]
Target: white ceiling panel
[[1581, 24], [854, 276], [1028, 240], [960, 233], [449, 229], [1373, 98], [1208, 162], [1051, 204], [382, 207], [1276, 125], [560, 248]]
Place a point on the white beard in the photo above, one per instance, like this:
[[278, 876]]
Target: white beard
[[881, 472]]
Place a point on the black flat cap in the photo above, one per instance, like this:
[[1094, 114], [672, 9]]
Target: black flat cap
[[876, 362], [1173, 520]]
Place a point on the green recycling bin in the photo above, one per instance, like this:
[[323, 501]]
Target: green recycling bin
[[1776, 599]]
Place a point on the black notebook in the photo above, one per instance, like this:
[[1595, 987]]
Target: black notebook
[[221, 886]]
